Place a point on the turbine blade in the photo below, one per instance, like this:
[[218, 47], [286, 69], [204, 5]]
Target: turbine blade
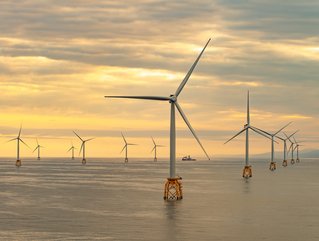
[[160, 146], [35, 148], [132, 144], [181, 86], [294, 139], [81, 147], [282, 128], [12, 139], [70, 149], [190, 127], [90, 139], [153, 149], [248, 109], [290, 147], [236, 135], [24, 143], [124, 138], [260, 132], [139, 97], [265, 132], [280, 138], [37, 141], [20, 131], [77, 135], [293, 133], [153, 141], [123, 148]]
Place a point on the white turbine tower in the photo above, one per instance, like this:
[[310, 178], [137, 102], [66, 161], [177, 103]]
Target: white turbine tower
[[247, 171], [155, 149], [83, 147], [272, 166], [72, 148], [38, 147], [173, 190], [284, 162], [18, 162], [126, 147]]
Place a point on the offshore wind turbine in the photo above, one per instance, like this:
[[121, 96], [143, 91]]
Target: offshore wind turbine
[[83, 147], [18, 138], [272, 166], [297, 147], [173, 188], [247, 171], [72, 149], [155, 149], [38, 147], [126, 147], [284, 162], [291, 147]]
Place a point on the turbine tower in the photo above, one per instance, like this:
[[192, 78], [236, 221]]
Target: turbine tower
[[83, 147], [173, 189], [247, 171], [125, 147], [155, 149], [38, 148], [284, 162], [18, 161], [272, 166], [72, 149]]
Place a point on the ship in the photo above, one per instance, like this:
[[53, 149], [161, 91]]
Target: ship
[[188, 158]]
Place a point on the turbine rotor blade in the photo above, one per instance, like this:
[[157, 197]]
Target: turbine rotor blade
[[293, 133], [190, 127], [265, 132], [37, 141], [77, 135], [70, 149], [81, 147], [132, 144], [123, 148], [181, 86], [248, 109], [260, 132], [12, 139], [123, 138], [236, 135], [153, 141], [282, 128], [35, 148], [153, 149], [24, 143], [139, 97], [20, 131], [90, 139]]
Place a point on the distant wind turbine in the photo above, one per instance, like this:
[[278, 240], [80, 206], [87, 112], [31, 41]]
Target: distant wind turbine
[[155, 149], [247, 171], [126, 147], [38, 147], [272, 166], [83, 147], [18, 162], [284, 162], [297, 148], [173, 189], [72, 149], [291, 147]]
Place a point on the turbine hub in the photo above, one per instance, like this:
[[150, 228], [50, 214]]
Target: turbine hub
[[173, 99]]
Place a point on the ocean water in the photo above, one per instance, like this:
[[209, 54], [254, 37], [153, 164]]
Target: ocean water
[[59, 199]]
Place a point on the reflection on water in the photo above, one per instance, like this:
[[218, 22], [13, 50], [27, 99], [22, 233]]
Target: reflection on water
[[60, 199]]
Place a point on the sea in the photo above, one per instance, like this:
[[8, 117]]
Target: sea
[[60, 199]]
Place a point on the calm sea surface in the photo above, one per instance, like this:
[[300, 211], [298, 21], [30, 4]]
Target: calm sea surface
[[59, 199]]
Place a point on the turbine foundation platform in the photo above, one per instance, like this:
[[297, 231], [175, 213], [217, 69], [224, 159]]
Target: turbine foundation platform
[[292, 161], [126, 160], [247, 172], [18, 163], [284, 163], [272, 166], [155, 159], [83, 161], [297, 160], [173, 189]]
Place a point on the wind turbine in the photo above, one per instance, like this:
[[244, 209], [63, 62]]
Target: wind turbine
[[297, 147], [18, 162], [247, 171], [83, 147], [125, 147], [272, 166], [155, 149], [38, 148], [72, 148], [291, 147], [173, 188], [284, 162]]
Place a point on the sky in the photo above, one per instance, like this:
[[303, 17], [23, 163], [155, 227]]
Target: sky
[[58, 59]]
